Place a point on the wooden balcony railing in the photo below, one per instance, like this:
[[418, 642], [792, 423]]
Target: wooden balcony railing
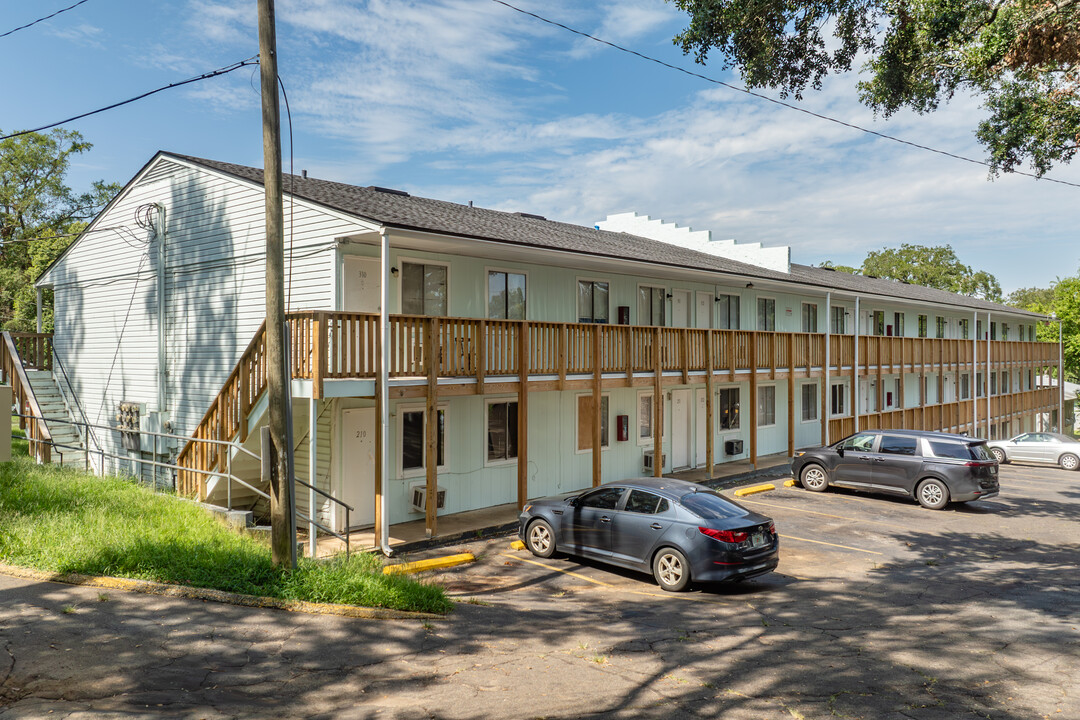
[[19, 351], [340, 345]]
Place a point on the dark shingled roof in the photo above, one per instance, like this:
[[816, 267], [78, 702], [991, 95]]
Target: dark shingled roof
[[400, 210]]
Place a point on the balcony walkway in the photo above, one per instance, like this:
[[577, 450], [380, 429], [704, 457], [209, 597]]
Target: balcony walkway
[[410, 536]]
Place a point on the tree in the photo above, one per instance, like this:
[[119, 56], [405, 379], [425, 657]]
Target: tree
[[936, 267], [1018, 56], [39, 215], [1062, 298]]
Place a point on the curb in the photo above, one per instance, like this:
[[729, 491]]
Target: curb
[[754, 489], [431, 564], [484, 533], [147, 587]]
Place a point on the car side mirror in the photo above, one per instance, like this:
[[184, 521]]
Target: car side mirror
[[840, 451], [575, 501]]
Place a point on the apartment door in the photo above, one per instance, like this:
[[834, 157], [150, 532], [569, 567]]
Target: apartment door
[[680, 429], [703, 314], [358, 466], [360, 284], [701, 428], [680, 308]]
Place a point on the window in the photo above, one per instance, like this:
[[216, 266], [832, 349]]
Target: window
[[965, 386], [727, 312], [766, 314], [1004, 331], [980, 385], [940, 327], [1005, 382], [645, 418], [922, 326], [809, 402], [993, 331], [709, 505], [727, 408], [603, 499], [898, 445], [502, 431], [965, 329], [414, 441], [993, 383], [1031, 333], [898, 397], [979, 329], [650, 305], [506, 295], [879, 322], [1030, 379], [592, 301], [645, 503], [423, 289], [838, 406], [838, 325], [859, 443], [898, 324], [585, 422], [766, 405], [809, 318]]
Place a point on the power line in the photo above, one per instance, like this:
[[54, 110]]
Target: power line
[[789, 106], [23, 27], [205, 76]]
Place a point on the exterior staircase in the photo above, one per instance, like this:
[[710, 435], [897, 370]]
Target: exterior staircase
[[68, 448]]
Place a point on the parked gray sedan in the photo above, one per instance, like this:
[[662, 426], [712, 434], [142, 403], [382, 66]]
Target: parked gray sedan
[[1039, 447], [679, 531]]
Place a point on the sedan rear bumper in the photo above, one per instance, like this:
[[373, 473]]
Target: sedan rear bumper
[[718, 572]]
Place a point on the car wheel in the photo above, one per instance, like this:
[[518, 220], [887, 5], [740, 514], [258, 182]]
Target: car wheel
[[814, 477], [999, 455], [1068, 461], [932, 494], [671, 570], [540, 538]]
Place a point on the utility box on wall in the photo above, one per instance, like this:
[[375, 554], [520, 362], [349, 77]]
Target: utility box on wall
[[5, 437], [622, 426]]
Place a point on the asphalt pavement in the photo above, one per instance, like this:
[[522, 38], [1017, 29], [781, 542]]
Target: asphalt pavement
[[879, 609]]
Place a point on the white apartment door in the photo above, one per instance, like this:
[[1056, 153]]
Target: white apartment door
[[680, 429], [703, 314], [702, 428], [358, 466], [360, 284], [680, 308]]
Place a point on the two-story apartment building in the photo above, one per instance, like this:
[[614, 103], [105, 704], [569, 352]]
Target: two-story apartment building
[[447, 357]]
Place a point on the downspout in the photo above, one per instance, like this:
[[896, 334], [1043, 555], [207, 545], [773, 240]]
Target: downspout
[[384, 390], [856, 389], [163, 367], [826, 412]]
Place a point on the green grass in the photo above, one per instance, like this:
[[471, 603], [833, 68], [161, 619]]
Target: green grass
[[64, 520]]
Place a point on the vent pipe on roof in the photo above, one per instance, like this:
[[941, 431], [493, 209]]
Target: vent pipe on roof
[[303, 174]]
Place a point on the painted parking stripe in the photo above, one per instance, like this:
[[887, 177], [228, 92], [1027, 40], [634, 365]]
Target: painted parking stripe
[[552, 567], [820, 542], [815, 512]]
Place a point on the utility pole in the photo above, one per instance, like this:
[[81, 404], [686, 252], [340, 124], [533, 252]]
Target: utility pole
[[282, 537]]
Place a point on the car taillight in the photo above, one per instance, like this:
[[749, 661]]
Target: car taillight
[[730, 536], [772, 528]]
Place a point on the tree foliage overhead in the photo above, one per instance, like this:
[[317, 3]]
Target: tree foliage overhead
[[936, 267], [1019, 56], [39, 214], [1062, 298]]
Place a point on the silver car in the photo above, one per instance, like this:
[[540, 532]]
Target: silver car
[[1039, 447]]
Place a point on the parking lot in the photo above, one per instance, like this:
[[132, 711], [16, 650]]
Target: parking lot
[[879, 609]]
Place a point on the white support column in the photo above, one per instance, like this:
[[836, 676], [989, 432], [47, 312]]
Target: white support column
[[974, 383], [40, 298], [988, 384], [826, 411], [384, 390], [855, 385], [313, 465]]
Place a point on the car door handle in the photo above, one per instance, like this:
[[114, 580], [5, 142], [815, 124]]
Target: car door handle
[[864, 458], [879, 459], [605, 518], [657, 526]]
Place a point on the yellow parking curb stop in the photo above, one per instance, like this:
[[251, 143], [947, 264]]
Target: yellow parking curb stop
[[742, 492], [432, 564], [517, 545], [789, 483]]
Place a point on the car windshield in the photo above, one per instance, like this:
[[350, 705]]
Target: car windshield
[[711, 506]]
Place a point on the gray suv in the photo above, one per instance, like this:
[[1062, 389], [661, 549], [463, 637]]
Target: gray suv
[[934, 468]]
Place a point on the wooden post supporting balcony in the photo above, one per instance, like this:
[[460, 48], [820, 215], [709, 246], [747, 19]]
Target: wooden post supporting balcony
[[523, 416], [318, 354], [753, 398], [431, 425], [380, 481], [481, 357], [597, 403], [658, 407]]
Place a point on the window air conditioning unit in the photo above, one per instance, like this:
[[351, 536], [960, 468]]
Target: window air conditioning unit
[[649, 458], [733, 447], [418, 497]]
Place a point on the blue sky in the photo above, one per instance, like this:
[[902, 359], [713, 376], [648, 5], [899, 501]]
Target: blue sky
[[467, 100]]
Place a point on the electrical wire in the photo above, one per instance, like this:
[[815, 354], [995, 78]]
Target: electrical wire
[[120, 340], [781, 103], [205, 76], [292, 196], [43, 19]]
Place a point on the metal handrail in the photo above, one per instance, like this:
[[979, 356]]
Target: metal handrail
[[82, 413], [348, 509]]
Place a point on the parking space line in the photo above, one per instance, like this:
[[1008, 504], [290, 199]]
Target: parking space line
[[816, 512], [820, 542], [552, 567]]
